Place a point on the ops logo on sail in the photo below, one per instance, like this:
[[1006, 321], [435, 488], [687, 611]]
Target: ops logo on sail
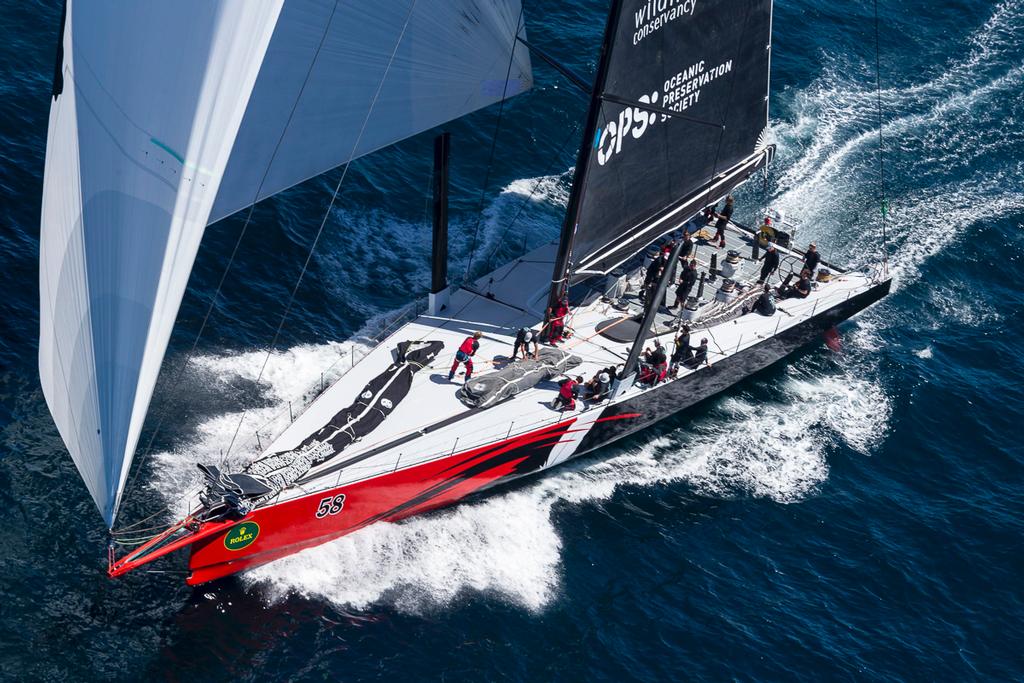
[[632, 121]]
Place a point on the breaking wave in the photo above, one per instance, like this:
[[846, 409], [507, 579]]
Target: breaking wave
[[937, 134]]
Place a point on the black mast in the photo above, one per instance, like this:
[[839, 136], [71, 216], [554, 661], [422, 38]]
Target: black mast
[[559, 276], [439, 250]]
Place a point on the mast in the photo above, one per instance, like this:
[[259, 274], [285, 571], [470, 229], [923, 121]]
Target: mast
[[438, 297], [560, 274]]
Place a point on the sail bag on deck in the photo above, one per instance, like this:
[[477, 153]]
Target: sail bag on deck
[[375, 402], [486, 390], [265, 477]]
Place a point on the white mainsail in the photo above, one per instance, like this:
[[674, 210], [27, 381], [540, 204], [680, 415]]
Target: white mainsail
[[173, 114]]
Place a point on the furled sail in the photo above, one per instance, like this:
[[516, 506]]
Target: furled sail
[[170, 114], [647, 171]]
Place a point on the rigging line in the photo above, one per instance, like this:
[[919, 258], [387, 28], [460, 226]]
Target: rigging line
[[132, 528], [494, 144], [323, 223], [881, 147], [536, 186], [234, 251]]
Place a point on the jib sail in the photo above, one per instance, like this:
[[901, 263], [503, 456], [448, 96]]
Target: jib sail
[[168, 115]]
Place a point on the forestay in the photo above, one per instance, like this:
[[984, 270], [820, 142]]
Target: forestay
[[169, 114], [648, 171]]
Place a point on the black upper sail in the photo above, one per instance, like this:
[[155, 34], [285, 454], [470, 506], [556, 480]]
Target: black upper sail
[[648, 172]]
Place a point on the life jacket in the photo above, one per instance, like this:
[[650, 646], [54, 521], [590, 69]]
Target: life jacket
[[467, 346], [567, 390]]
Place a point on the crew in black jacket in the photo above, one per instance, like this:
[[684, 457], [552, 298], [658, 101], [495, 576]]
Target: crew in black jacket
[[686, 282], [812, 258], [771, 263]]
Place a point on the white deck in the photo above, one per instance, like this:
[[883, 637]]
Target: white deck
[[520, 291]]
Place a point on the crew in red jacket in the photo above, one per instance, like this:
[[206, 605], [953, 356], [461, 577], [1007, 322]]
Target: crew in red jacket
[[465, 355], [557, 321], [567, 393]]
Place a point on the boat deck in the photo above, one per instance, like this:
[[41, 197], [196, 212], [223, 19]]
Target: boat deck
[[431, 422]]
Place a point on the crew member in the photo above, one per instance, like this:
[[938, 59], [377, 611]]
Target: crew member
[[598, 386], [556, 320], [658, 363], [765, 304], [682, 352], [654, 270], [700, 355], [723, 220], [524, 337], [766, 233], [771, 263], [568, 391], [811, 259], [801, 289], [686, 282], [684, 253], [465, 355]]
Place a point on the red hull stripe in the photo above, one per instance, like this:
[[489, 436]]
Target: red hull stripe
[[291, 526], [624, 416]]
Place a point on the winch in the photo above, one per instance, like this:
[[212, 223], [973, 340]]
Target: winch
[[691, 310], [727, 292], [731, 264]]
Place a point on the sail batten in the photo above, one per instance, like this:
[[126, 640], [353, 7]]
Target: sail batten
[[154, 132], [683, 104]]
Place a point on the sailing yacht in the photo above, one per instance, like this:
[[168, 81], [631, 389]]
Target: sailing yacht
[[157, 134]]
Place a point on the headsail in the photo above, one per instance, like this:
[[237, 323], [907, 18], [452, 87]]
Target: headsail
[[171, 113], [453, 59], [647, 171]]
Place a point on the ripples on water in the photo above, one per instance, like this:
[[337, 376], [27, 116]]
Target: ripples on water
[[854, 515]]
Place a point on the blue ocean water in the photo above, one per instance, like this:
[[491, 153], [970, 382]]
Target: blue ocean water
[[843, 516]]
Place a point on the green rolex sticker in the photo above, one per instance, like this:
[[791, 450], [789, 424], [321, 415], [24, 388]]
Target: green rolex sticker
[[241, 535]]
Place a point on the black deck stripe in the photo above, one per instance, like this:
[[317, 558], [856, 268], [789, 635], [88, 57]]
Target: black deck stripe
[[389, 445]]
